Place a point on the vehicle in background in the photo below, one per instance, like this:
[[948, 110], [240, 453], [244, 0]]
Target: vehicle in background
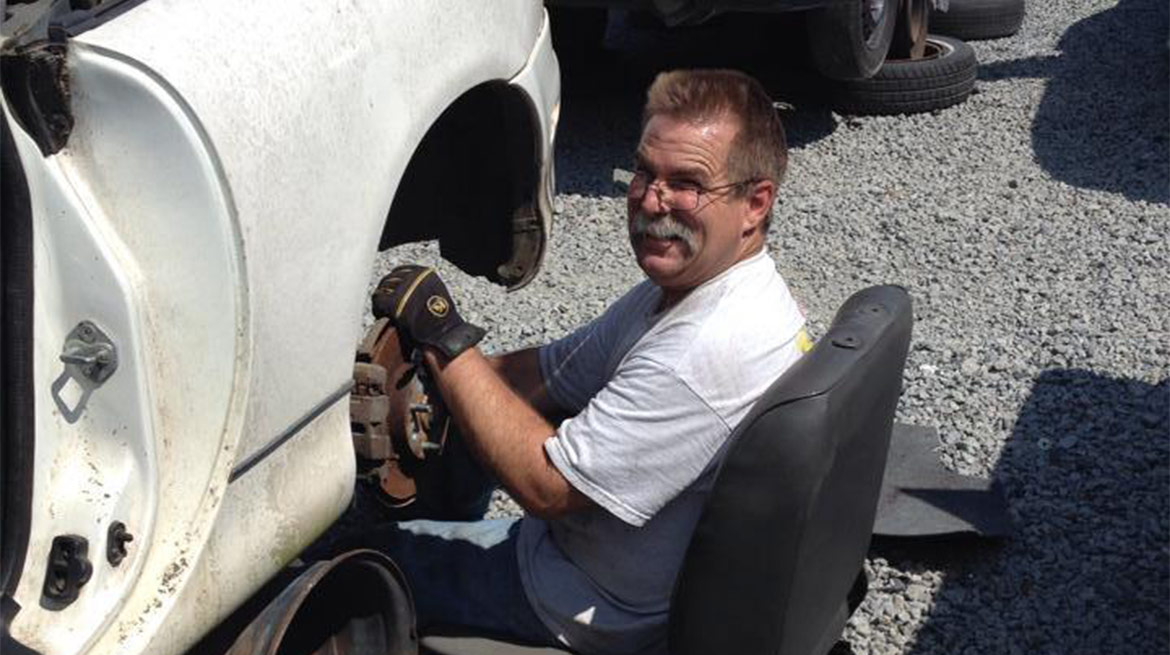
[[193, 197], [976, 20], [848, 39], [877, 54]]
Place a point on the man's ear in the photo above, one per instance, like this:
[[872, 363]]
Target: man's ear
[[759, 203]]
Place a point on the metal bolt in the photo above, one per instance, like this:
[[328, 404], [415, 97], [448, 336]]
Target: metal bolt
[[116, 540]]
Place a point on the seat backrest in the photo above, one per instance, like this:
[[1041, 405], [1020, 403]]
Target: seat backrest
[[786, 527]]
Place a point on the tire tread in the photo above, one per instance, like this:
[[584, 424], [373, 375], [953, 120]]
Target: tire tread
[[905, 87]]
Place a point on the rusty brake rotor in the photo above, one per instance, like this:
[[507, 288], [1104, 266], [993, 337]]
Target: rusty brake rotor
[[396, 415]]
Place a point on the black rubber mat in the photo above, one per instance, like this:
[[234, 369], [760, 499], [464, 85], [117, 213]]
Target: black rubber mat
[[921, 498]]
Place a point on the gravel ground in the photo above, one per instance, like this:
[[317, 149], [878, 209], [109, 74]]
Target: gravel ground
[[1029, 224]]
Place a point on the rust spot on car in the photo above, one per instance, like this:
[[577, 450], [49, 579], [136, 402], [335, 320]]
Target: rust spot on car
[[171, 575]]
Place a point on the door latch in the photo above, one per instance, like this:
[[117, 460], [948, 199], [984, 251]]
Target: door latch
[[68, 571], [90, 352]]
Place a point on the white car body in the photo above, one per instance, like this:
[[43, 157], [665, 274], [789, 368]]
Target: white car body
[[216, 211]]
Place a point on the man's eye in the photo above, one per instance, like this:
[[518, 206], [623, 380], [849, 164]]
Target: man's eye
[[684, 185]]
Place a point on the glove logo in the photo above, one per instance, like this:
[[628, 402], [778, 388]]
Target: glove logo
[[438, 306]]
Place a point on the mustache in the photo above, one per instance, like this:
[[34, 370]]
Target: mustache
[[662, 227]]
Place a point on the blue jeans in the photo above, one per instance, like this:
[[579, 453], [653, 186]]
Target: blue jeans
[[463, 575]]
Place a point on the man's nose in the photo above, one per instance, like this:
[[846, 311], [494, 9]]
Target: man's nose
[[651, 202]]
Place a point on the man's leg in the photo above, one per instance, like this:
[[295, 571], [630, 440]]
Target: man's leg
[[459, 489], [462, 575]]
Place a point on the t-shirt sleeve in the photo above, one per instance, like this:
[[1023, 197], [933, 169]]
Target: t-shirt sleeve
[[641, 440], [575, 367]]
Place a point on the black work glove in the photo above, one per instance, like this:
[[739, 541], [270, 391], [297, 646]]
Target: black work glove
[[418, 303]]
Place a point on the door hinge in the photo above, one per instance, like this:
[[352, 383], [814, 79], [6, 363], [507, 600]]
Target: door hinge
[[36, 83]]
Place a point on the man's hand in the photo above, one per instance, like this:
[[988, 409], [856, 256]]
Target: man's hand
[[418, 303]]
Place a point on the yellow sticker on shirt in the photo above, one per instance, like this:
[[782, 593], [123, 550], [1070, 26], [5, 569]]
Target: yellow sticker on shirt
[[803, 342]]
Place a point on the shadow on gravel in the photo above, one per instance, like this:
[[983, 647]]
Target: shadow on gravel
[[1087, 476], [1102, 123], [603, 92]]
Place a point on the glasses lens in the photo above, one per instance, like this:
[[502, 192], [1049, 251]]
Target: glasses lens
[[637, 186], [684, 198], [681, 197]]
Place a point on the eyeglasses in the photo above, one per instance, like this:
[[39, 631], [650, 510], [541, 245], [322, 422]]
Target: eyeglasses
[[681, 195]]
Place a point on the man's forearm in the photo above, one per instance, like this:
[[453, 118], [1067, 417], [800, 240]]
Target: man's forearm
[[505, 431]]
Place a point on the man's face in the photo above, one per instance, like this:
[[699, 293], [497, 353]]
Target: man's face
[[680, 249]]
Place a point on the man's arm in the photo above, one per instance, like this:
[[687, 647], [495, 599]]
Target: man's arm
[[520, 369], [498, 408], [502, 428]]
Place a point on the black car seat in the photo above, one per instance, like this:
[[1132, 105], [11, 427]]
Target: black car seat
[[784, 533]]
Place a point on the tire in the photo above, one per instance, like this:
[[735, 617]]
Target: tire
[[944, 77], [974, 20], [842, 47]]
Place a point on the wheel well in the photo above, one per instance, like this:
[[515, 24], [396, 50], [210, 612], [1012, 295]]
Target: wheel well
[[472, 184]]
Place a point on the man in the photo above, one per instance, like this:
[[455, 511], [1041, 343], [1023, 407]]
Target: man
[[653, 387]]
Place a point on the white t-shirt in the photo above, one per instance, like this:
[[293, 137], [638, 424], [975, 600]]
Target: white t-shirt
[[655, 396]]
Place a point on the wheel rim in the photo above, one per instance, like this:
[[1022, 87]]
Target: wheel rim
[[932, 49]]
